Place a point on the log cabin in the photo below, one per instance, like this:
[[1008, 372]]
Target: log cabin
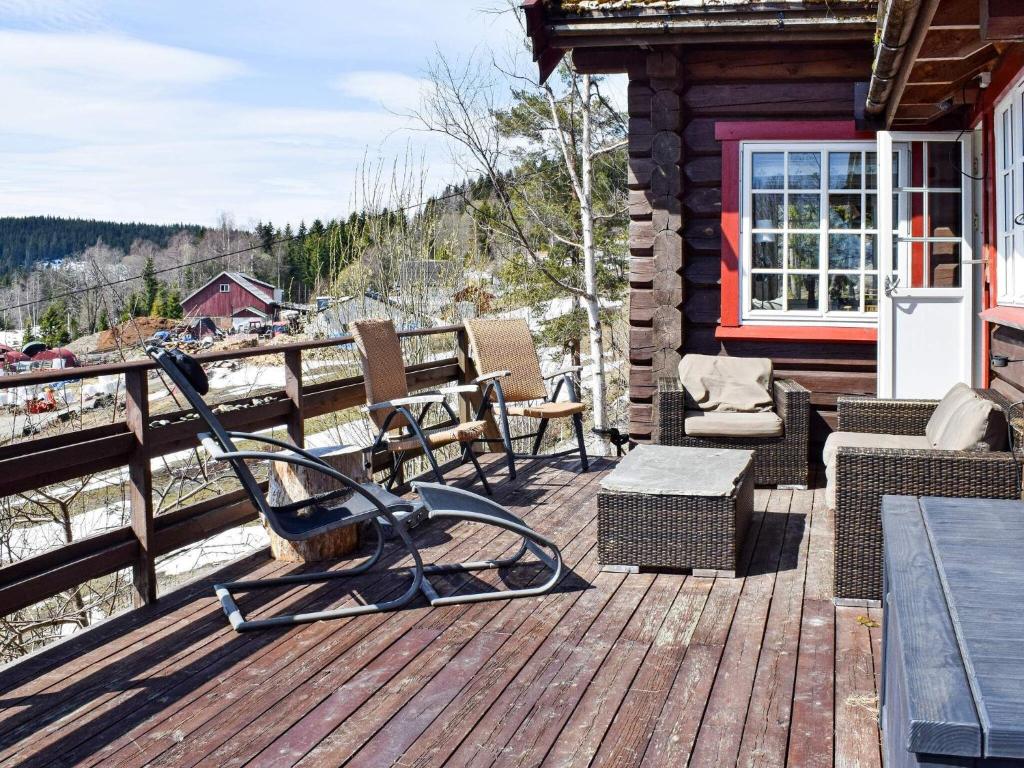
[[771, 143]]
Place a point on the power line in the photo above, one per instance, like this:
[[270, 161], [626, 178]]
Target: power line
[[218, 256]]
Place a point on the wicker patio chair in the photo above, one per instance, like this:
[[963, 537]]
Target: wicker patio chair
[[778, 461], [864, 475], [506, 358], [390, 405], [366, 504]]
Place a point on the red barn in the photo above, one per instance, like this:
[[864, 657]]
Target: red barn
[[234, 295]]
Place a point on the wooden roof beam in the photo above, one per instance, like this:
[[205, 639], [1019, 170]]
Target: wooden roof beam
[[1002, 20]]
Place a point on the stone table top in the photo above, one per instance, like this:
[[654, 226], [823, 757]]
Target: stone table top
[[667, 470]]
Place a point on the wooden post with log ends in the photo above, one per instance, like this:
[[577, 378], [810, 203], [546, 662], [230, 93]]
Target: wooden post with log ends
[[140, 485], [293, 390], [655, 239], [290, 483]]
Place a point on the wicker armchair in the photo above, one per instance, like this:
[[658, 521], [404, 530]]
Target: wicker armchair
[[864, 475], [780, 461]]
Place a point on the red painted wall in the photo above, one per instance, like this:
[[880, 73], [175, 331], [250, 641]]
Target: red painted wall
[[211, 302]]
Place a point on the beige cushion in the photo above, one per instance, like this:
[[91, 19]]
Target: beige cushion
[[839, 440], [731, 384], [959, 394], [726, 424], [974, 421]]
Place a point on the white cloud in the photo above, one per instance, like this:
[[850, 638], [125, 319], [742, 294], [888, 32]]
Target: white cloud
[[108, 59], [393, 90], [113, 127], [53, 14]]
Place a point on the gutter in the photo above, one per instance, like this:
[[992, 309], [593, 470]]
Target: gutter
[[895, 28]]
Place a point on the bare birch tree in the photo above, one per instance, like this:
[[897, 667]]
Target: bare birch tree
[[508, 138]]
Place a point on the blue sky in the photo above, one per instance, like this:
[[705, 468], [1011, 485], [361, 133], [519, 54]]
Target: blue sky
[[183, 110]]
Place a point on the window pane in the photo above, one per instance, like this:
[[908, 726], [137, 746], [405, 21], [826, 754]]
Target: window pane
[[871, 252], [844, 170], [945, 215], [803, 251], [766, 292], [768, 213], [844, 211], [871, 170], [870, 211], [805, 170], [769, 170], [804, 211], [844, 251], [803, 292], [870, 293], [944, 265], [944, 164], [767, 251], [844, 293]]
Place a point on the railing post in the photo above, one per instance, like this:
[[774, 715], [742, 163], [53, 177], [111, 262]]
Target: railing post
[[140, 482], [293, 389]]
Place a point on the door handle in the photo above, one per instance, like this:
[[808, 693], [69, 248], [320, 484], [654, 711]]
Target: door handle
[[892, 282]]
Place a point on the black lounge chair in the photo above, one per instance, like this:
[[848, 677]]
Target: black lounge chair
[[357, 503]]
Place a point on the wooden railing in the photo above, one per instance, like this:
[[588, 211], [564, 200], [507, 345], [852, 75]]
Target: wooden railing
[[135, 442]]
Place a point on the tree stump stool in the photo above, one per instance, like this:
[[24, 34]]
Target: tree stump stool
[[290, 483]]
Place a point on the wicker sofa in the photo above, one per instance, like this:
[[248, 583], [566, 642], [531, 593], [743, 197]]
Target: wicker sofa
[[779, 461], [863, 475]]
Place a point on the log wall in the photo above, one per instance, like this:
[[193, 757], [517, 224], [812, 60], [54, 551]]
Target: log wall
[[683, 288]]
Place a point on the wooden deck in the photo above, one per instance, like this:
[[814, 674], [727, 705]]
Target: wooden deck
[[611, 670]]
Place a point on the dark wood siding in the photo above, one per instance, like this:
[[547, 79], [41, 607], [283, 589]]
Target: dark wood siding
[[749, 84], [210, 302]]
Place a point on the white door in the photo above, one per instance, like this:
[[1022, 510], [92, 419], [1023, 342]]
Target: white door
[[926, 305]]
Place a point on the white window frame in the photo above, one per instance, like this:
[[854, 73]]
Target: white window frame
[[225, 287], [822, 316], [1009, 184]]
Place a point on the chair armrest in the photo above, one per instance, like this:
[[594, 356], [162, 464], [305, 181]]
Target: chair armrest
[[456, 389], [793, 405], [399, 402], [892, 417], [563, 372], [873, 472], [493, 375]]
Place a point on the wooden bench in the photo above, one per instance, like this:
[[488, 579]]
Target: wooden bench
[[953, 649]]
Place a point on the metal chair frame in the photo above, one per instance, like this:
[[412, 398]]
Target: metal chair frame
[[400, 407], [370, 504], [492, 383]]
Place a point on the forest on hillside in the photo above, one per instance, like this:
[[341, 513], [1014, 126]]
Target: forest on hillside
[[25, 241]]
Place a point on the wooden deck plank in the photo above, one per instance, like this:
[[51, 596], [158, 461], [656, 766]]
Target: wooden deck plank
[[638, 669], [631, 730], [210, 741], [497, 623], [538, 731], [721, 731], [676, 728], [766, 730], [856, 706], [201, 659]]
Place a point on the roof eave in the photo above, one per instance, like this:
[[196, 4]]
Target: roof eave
[[553, 33]]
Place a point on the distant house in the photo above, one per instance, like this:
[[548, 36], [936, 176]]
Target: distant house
[[237, 297]]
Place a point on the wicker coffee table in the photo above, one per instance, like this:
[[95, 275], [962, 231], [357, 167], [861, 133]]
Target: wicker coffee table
[[672, 507]]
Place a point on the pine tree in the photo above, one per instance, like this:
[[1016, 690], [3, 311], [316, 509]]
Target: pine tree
[[103, 321], [172, 304], [150, 285], [53, 325], [159, 306]]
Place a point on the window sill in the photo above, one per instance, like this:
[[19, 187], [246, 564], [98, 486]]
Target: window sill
[[807, 333], [1012, 317]]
